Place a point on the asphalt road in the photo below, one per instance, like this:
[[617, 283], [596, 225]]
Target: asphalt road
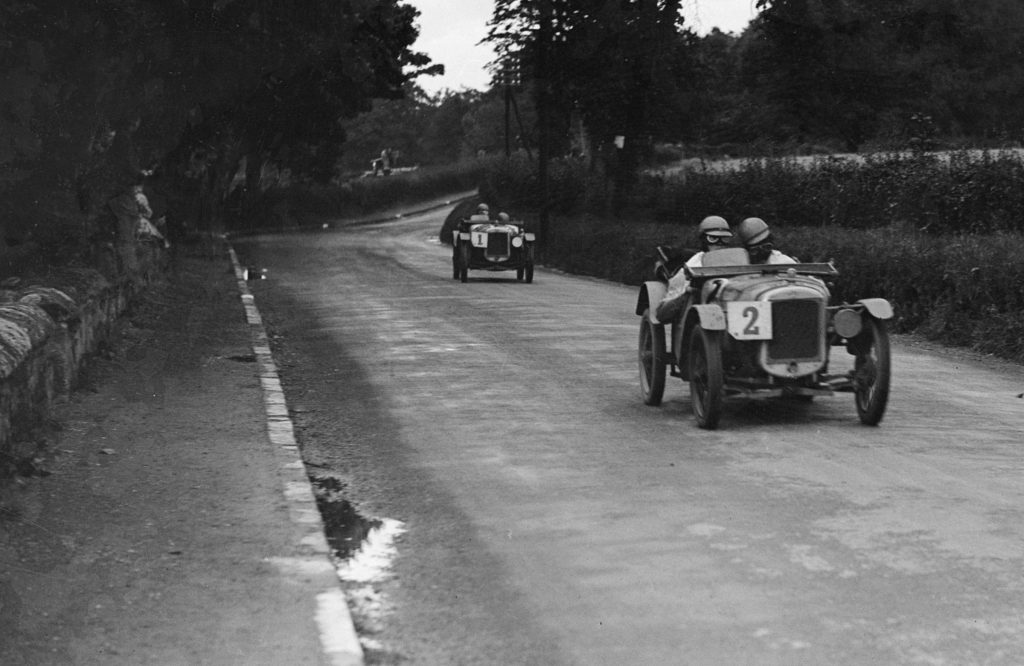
[[552, 518]]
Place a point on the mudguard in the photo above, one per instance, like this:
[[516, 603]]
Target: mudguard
[[712, 317], [879, 308], [464, 235], [651, 293]]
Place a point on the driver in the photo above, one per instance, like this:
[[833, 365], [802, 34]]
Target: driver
[[755, 235], [482, 214], [713, 233]]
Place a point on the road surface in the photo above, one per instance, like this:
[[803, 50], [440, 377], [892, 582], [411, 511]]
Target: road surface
[[552, 518]]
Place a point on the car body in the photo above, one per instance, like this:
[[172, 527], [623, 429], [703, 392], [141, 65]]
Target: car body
[[480, 243], [762, 331]]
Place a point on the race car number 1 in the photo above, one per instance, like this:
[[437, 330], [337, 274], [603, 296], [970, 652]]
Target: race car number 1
[[749, 320]]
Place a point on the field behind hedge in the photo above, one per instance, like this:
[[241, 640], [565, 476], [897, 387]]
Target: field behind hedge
[[941, 236]]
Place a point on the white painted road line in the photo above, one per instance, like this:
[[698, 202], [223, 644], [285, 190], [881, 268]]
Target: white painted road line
[[338, 638]]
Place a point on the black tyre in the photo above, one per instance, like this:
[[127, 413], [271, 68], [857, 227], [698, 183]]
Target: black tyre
[[653, 359], [706, 377], [528, 272], [871, 371], [455, 263], [463, 263], [519, 273]]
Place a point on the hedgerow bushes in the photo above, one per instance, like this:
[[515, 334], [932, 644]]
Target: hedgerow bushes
[[961, 192], [961, 289], [942, 237]]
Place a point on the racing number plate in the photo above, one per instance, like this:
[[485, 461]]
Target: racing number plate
[[479, 239], [749, 320]]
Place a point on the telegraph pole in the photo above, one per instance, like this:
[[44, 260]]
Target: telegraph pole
[[509, 77], [508, 117], [543, 112]]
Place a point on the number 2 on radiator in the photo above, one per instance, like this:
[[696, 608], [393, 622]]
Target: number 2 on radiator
[[749, 320]]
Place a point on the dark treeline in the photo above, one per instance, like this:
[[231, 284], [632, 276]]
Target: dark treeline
[[215, 99], [805, 76], [225, 100]]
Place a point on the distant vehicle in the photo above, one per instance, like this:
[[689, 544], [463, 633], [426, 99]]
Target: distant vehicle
[[480, 243], [762, 331]]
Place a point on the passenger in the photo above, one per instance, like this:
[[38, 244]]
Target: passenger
[[714, 233], [755, 235], [503, 218]]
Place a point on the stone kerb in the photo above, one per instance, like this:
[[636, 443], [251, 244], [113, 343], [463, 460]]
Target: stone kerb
[[48, 328]]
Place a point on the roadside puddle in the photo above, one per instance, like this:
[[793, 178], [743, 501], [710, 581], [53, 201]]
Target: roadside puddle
[[346, 530], [363, 550]]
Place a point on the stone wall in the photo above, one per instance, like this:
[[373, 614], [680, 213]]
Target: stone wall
[[49, 326]]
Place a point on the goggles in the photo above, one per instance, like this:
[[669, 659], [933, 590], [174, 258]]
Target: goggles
[[714, 240]]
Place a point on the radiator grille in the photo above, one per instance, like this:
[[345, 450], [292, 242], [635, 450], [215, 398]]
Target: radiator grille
[[797, 330], [498, 243]]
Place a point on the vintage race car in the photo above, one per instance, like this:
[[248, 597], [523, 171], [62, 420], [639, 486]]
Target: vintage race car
[[761, 331], [482, 244]]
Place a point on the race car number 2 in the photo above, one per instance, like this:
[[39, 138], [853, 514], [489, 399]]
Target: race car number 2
[[749, 320]]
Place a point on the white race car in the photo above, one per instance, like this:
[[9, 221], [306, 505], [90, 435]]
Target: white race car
[[480, 243]]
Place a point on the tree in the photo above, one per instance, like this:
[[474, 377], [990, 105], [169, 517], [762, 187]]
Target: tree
[[622, 65], [830, 68], [443, 138], [94, 92], [398, 124]]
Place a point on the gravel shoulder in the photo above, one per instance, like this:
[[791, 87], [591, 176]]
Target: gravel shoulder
[[158, 531]]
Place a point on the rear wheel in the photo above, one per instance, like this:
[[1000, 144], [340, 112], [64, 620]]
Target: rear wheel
[[653, 360], [871, 371], [706, 377]]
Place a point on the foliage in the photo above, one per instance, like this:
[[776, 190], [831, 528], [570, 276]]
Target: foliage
[[445, 128], [906, 73], [959, 192], [94, 92], [314, 204], [844, 69], [620, 65]]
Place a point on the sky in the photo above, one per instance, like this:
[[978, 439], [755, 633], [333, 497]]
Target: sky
[[451, 29]]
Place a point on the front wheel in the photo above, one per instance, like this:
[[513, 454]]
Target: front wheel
[[653, 359], [707, 379], [528, 272], [463, 267], [455, 263], [871, 371]]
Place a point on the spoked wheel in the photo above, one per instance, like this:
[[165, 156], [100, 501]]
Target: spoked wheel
[[706, 377], [871, 370], [463, 262], [653, 359]]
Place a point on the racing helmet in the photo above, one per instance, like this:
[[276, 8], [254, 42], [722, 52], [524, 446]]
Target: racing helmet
[[714, 225], [483, 209], [503, 217], [753, 231]]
